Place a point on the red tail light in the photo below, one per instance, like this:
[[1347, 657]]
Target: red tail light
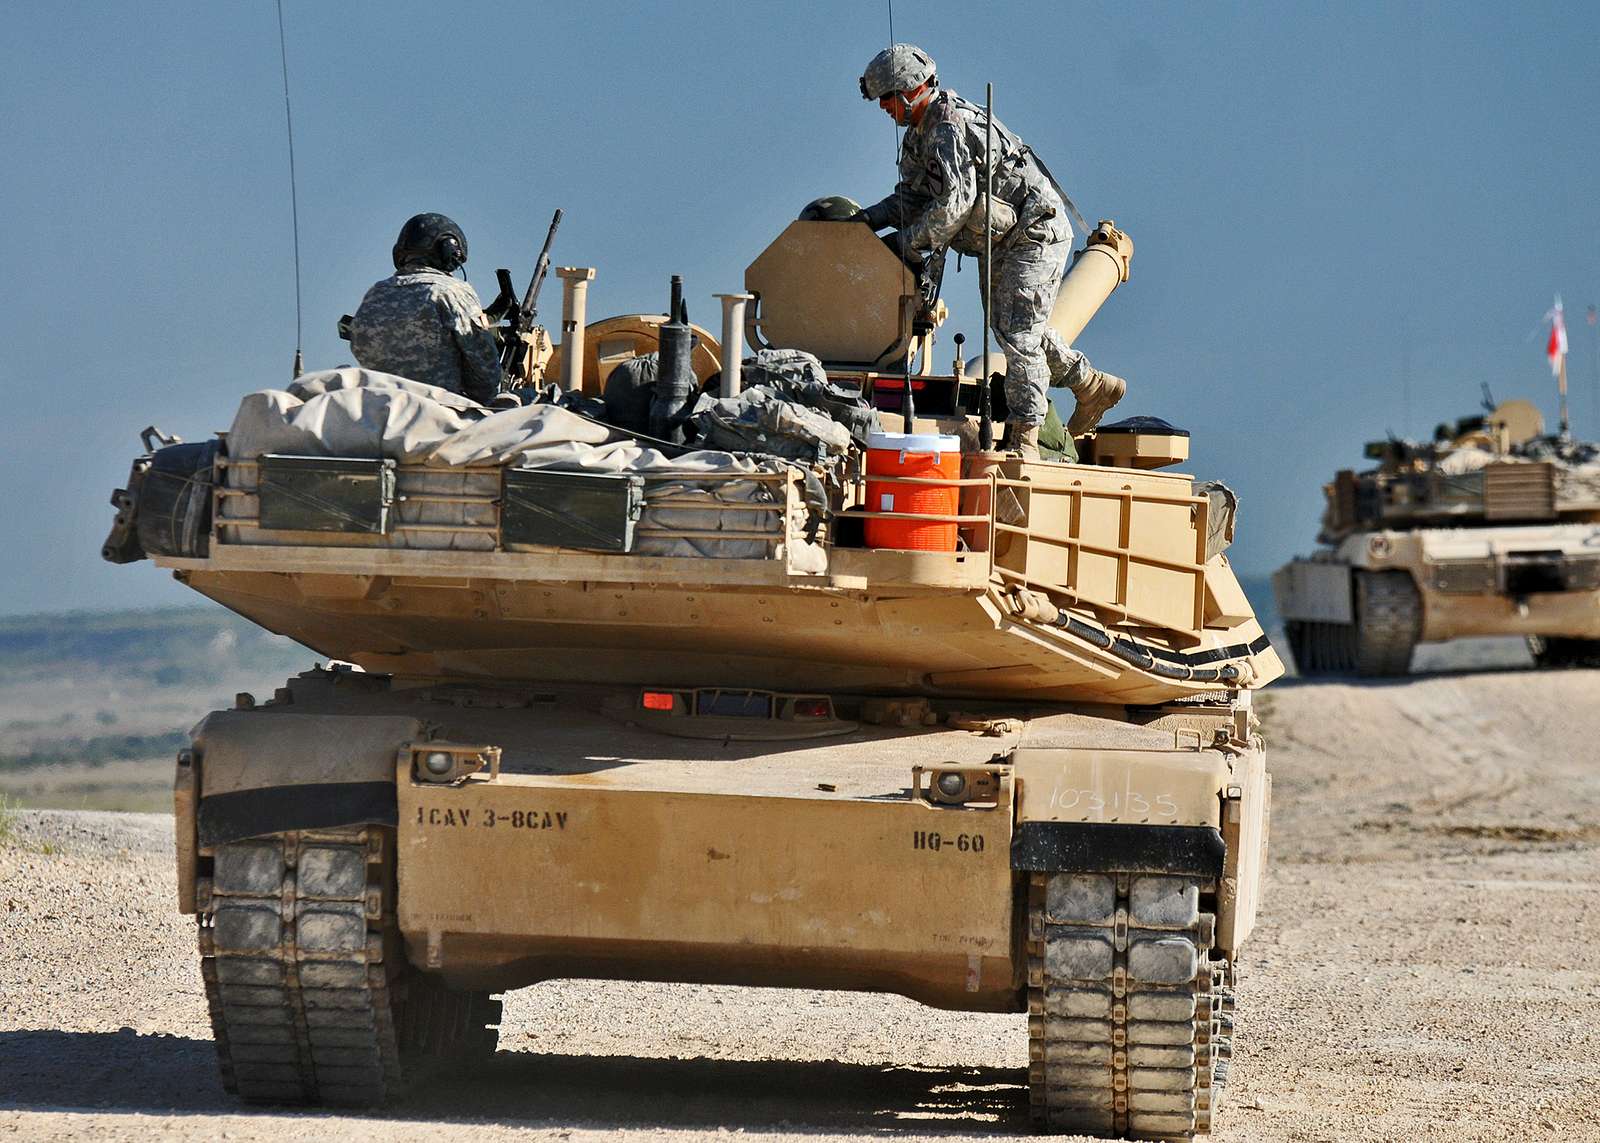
[[811, 708], [659, 700]]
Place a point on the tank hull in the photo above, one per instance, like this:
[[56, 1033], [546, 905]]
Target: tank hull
[[600, 845]]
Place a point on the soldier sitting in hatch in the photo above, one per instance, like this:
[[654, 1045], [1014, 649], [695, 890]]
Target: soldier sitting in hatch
[[424, 324], [938, 204]]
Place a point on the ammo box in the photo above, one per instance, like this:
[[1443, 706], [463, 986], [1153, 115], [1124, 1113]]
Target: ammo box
[[590, 510], [325, 494]]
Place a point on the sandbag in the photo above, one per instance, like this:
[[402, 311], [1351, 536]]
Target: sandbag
[[629, 390]]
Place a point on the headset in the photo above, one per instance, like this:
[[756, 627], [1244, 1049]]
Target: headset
[[449, 253]]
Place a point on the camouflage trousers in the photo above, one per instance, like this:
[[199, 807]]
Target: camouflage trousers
[[1027, 275]]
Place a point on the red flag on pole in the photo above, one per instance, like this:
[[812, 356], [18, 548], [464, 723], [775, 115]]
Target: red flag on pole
[[1556, 348]]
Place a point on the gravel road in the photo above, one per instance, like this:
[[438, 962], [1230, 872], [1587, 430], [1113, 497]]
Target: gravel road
[[1427, 967]]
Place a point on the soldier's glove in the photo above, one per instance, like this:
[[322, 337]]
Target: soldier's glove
[[505, 301], [878, 215]]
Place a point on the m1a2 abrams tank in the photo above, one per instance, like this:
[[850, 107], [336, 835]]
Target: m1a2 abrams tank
[[1492, 528], [621, 709]]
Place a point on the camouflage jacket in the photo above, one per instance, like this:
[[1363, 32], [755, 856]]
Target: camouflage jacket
[[942, 177], [424, 324]]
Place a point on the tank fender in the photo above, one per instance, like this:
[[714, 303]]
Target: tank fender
[[1153, 811], [1317, 590], [1246, 820], [262, 771]]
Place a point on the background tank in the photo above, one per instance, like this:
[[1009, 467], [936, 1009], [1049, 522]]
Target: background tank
[[1492, 528], [643, 712]]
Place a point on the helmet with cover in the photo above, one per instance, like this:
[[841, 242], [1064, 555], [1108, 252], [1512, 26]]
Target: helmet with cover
[[899, 67], [432, 239], [833, 208]]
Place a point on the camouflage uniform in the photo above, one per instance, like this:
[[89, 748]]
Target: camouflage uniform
[[940, 188], [425, 324]]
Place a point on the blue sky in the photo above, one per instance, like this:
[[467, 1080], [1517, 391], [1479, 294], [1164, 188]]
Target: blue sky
[[1346, 217]]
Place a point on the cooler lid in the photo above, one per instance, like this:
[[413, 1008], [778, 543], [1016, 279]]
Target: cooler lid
[[914, 442]]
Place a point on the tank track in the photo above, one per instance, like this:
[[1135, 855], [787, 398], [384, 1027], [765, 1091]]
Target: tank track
[[310, 996], [1388, 621], [1130, 1023], [1321, 648]]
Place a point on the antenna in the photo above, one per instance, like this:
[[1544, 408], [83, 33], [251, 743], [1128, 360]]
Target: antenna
[[294, 198], [908, 404], [986, 421]]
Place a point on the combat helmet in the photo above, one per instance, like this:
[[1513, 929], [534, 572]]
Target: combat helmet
[[833, 208], [899, 67], [432, 239]]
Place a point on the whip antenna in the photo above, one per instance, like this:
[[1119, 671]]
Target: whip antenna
[[986, 414], [908, 401], [908, 404], [294, 199]]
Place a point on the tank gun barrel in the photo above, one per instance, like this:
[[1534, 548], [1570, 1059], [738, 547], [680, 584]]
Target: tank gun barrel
[[1099, 268]]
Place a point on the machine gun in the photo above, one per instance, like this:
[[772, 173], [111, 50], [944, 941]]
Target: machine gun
[[525, 346]]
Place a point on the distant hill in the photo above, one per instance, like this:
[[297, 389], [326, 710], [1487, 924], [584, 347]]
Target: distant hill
[[180, 644], [94, 705]]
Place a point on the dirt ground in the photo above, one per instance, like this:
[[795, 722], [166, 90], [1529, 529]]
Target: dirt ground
[[1427, 967]]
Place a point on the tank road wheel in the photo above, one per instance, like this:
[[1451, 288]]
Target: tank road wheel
[[1556, 652], [1388, 621], [1126, 1031], [311, 999]]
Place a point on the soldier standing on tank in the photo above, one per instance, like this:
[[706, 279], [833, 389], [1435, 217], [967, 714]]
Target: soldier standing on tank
[[425, 324], [938, 204]]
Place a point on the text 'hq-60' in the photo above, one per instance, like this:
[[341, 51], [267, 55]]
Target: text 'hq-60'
[[658, 659]]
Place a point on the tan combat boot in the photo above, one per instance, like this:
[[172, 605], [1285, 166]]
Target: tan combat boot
[[1095, 394], [1022, 439]]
